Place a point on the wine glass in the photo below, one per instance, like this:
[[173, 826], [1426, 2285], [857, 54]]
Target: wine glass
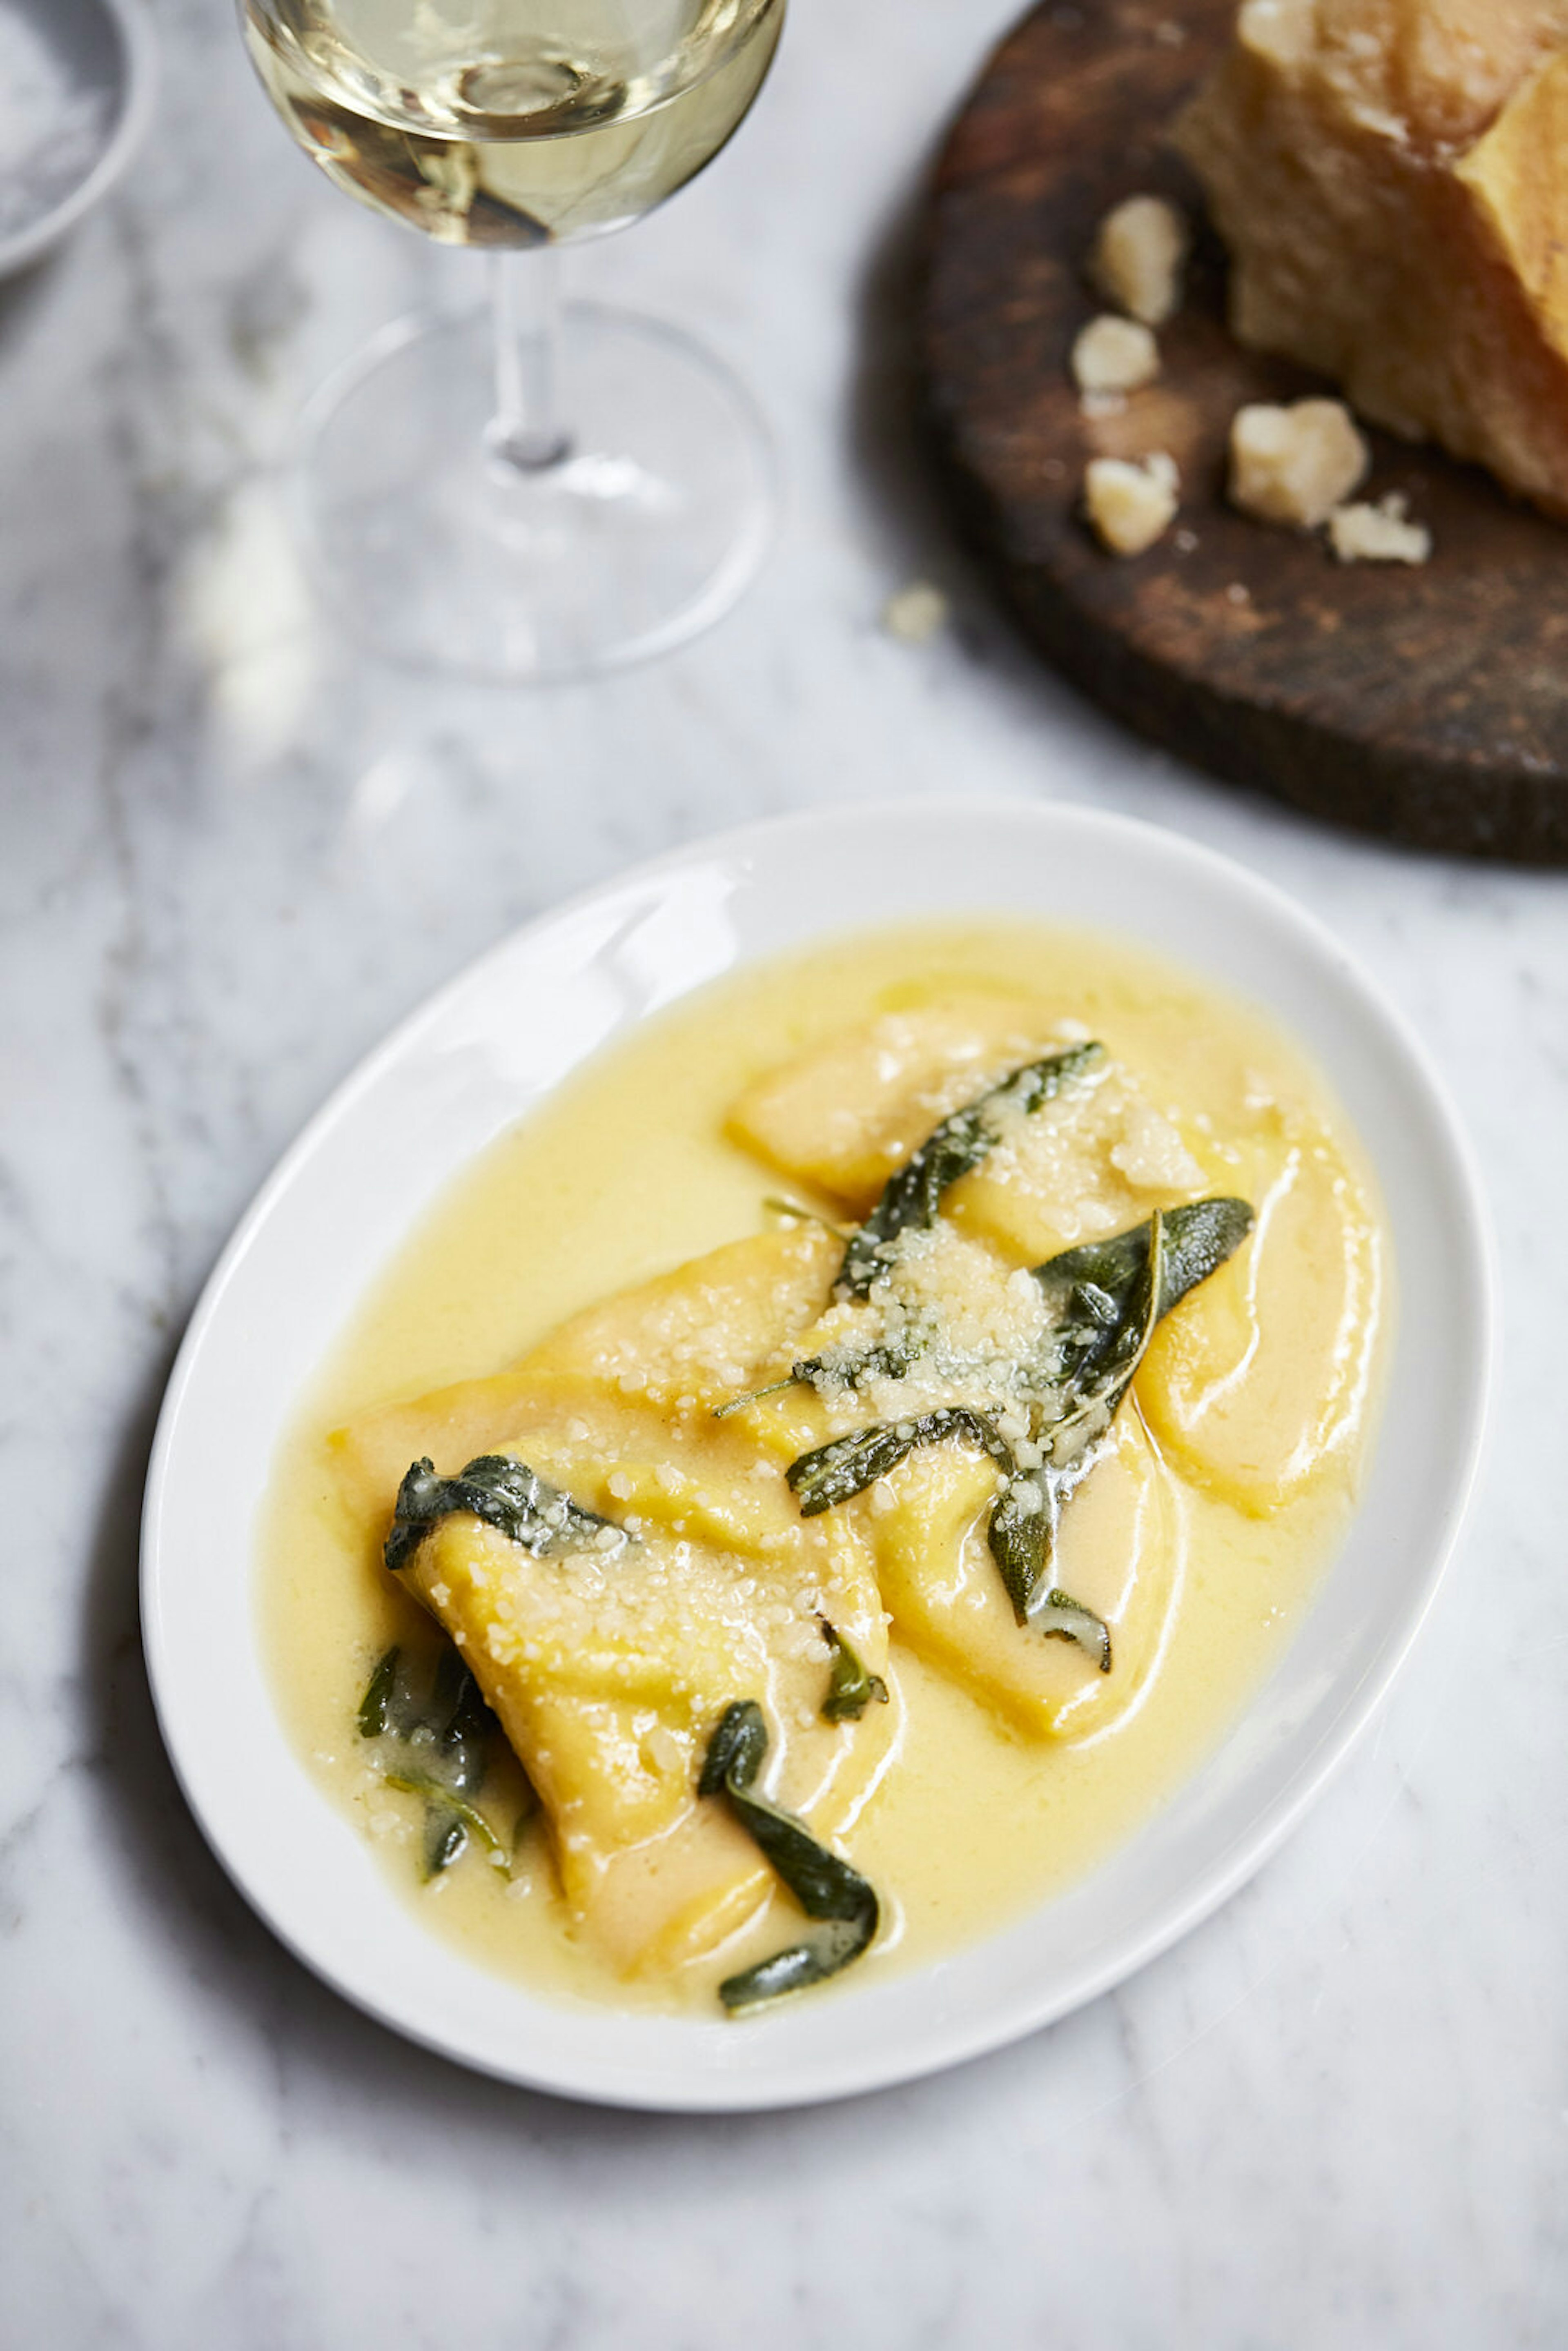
[[527, 492]]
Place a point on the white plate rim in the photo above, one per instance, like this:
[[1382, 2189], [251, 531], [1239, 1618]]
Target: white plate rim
[[772, 2082]]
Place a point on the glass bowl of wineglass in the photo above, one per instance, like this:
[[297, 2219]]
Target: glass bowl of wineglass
[[535, 490]]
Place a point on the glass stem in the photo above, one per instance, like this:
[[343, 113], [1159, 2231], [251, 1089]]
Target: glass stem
[[525, 430]]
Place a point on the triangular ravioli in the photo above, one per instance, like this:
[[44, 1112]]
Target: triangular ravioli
[[609, 1668]]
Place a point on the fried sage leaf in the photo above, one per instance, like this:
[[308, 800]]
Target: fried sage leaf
[[463, 1724], [1022, 1530], [1107, 1297], [503, 1492], [1097, 1345], [825, 1887], [446, 1837], [376, 1704], [435, 1733], [445, 1812], [830, 1473], [1062, 1618], [1198, 1239], [912, 1197], [850, 1686], [883, 1362]]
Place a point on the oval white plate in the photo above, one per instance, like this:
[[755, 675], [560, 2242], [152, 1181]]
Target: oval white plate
[[462, 1069]]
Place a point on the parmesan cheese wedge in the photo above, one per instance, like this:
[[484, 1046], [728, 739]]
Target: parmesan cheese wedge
[[1391, 177]]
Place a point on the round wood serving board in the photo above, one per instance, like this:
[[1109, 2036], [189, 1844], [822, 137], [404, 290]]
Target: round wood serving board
[[1427, 704]]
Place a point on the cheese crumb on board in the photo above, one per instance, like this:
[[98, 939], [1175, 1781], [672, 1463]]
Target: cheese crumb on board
[[1139, 255], [1295, 464], [1364, 533], [1131, 504], [1115, 355]]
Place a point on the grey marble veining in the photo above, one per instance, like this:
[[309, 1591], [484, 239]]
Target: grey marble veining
[[234, 849]]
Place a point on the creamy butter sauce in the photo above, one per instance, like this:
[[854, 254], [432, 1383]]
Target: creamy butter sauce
[[625, 1172]]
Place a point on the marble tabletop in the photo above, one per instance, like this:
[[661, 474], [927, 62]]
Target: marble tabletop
[[235, 850]]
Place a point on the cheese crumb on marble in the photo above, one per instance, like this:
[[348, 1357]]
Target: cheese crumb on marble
[[1294, 465], [1131, 504], [1140, 253], [1113, 354], [1384, 533], [916, 613]]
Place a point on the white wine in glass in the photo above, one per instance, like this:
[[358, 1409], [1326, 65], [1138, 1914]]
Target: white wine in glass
[[528, 494]]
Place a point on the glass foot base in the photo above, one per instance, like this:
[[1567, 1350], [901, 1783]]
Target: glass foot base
[[438, 550]]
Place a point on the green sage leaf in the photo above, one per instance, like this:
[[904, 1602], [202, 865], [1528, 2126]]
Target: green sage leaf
[[851, 1686], [376, 1703], [833, 1472], [1095, 1353], [1107, 1297], [505, 1493], [825, 1885], [1021, 1533], [912, 1197], [1062, 1618], [885, 1363], [445, 1837], [1198, 1238], [435, 1733], [443, 1806]]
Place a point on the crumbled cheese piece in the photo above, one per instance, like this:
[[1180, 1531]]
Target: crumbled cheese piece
[[1139, 255], [1130, 505], [1295, 464], [917, 613], [1382, 533], [1115, 355]]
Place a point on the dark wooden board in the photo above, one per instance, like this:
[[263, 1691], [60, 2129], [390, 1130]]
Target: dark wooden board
[[1428, 703]]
